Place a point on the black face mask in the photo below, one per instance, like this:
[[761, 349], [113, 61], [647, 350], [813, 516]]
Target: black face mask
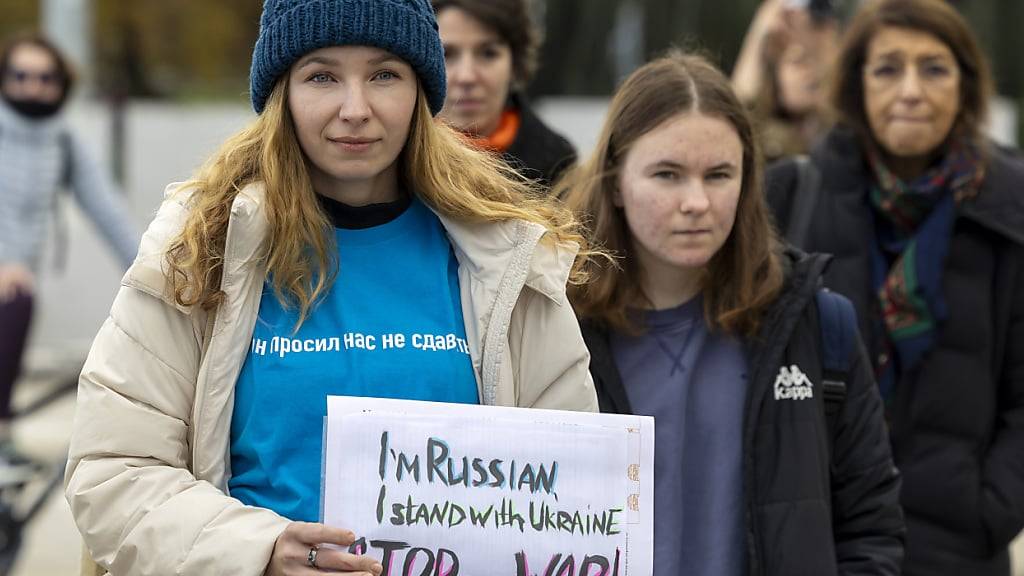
[[34, 109]]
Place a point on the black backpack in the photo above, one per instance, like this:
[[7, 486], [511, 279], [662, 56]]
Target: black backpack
[[837, 316]]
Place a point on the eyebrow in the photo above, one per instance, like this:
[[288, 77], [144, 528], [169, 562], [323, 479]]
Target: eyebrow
[[722, 166], [668, 164], [893, 54], [383, 58], [677, 166], [488, 43], [326, 61], [934, 58], [317, 60]]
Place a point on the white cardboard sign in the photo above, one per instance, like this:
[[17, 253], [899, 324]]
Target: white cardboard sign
[[436, 489]]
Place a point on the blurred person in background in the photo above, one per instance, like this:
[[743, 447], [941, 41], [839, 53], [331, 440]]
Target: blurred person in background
[[490, 51], [707, 325], [925, 217], [781, 72], [344, 208], [39, 156]]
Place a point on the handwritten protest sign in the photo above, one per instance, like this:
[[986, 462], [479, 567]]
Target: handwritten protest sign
[[442, 489]]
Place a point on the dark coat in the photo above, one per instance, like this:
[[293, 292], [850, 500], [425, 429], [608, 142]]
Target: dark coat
[[804, 517], [538, 152], [957, 421]]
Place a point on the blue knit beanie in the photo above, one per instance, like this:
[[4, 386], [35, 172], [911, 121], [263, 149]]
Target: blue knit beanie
[[289, 29]]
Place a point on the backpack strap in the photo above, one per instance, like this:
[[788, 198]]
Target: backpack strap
[[837, 320], [804, 200]]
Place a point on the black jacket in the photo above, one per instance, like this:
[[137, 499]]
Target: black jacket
[[803, 518], [538, 152], [957, 422]]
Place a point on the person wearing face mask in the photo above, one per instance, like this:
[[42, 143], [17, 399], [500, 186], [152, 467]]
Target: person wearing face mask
[[925, 217], [39, 155], [780, 73], [490, 51]]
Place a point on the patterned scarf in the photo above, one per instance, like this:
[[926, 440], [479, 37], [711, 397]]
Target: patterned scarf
[[913, 227]]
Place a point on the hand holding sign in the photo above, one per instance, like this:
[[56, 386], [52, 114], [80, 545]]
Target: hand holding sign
[[292, 552]]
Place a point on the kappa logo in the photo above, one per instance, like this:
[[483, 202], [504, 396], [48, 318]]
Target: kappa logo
[[792, 384]]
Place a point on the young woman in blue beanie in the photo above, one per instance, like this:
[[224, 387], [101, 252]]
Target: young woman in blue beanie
[[344, 243]]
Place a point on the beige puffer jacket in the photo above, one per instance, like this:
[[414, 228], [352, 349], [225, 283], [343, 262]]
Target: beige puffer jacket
[[148, 466]]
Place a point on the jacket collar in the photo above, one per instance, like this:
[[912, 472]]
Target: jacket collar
[[245, 244], [534, 140], [488, 249], [803, 274], [537, 151], [998, 206]]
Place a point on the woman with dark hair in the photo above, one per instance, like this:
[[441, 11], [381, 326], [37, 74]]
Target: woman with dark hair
[[925, 217], [490, 51], [707, 325], [39, 155]]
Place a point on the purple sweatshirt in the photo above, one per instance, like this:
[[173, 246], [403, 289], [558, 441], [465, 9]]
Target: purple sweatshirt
[[694, 383]]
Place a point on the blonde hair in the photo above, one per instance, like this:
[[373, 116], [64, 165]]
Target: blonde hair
[[437, 165], [745, 275]]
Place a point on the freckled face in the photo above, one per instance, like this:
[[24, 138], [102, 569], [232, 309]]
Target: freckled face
[[679, 186]]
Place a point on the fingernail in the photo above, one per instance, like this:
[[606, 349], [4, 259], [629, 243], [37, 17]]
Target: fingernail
[[378, 568]]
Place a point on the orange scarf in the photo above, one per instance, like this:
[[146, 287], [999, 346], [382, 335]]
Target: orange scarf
[[503, 136]]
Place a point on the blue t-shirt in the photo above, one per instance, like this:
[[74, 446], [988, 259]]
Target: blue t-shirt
[[694, 383], [390, 327]]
